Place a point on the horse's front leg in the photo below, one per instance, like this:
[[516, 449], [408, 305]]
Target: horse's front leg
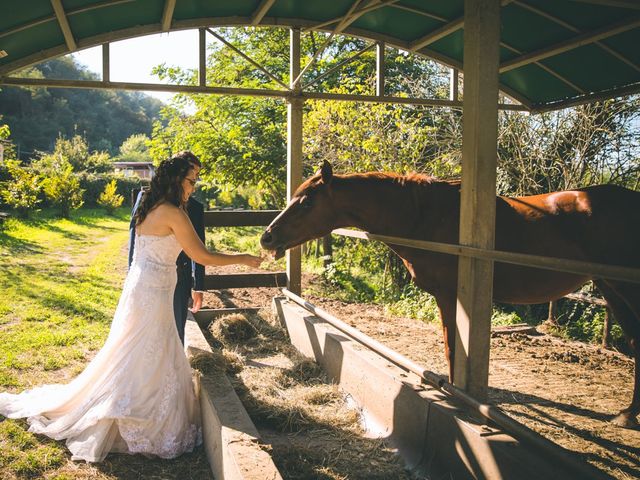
[[628, 417], [447, 308]]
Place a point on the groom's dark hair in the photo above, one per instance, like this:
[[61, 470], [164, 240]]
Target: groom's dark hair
[[189, 156], [166, 184]]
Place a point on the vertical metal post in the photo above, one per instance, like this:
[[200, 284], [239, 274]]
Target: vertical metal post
[[478, 194], [202, 57], [453, 84], [106, 63], [294, 155], [380, 69]]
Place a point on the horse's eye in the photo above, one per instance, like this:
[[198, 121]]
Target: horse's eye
[[305, 201]]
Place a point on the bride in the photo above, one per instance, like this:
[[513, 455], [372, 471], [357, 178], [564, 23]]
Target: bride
[[137, 394]]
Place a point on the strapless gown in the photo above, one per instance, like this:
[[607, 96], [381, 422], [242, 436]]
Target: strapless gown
[[137, 395]]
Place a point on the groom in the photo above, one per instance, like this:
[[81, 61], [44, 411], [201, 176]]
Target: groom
[[190, 274]]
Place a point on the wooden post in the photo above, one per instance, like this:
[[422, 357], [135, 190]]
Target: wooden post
[[202, 57], [106, 63], [478, 194], [294, 155], [380, 69]]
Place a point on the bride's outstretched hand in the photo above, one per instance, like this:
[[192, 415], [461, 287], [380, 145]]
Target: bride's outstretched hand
[[252, 261]]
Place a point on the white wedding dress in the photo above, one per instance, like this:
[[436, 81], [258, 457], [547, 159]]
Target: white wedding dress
[[137, 395]]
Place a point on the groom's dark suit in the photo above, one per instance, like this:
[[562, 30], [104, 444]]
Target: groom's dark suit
[[190, 274]]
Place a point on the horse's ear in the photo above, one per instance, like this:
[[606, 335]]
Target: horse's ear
[[327, 172]]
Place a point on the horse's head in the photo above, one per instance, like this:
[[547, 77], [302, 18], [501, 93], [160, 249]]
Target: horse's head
[[310, 214]]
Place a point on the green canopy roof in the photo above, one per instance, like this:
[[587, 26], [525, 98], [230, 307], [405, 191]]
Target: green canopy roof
[[554, 53]]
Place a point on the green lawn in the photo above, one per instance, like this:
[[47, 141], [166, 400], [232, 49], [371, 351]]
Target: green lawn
[[60, 283]]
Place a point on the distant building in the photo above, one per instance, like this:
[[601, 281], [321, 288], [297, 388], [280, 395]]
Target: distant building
[[135, 169]]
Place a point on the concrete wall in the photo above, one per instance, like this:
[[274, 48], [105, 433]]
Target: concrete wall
[[436, 437], [231, 440]]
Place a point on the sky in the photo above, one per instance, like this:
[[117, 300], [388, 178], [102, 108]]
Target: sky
[[132, 60]]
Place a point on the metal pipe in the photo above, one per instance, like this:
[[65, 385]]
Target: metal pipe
[[520, 432]]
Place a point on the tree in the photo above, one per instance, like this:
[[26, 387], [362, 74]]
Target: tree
[[135, 149], [242, 141], [586, 145], [37, 116], [62, 188]]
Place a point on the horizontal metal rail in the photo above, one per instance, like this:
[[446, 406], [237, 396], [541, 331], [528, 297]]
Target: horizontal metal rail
[[239, 218], [245, 280], [520, 432], [250, 92], [548, 263]]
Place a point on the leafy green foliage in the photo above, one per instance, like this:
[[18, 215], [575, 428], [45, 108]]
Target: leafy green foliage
[[110, 199], [135, 149], [21, 192], [62, 188], [76, 151], [37, 116], [414, 303]]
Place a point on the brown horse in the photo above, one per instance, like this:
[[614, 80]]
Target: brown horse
[[596, 224]]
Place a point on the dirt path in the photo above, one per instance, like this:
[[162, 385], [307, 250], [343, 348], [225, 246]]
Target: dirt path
[[567, 391]]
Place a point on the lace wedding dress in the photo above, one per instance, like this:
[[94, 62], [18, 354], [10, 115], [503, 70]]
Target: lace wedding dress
[[137, 395]]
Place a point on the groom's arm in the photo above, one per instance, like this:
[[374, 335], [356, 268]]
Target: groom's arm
[[196, 214]]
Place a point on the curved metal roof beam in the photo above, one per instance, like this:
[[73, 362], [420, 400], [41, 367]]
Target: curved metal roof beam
[[141, 30], [374, 5]]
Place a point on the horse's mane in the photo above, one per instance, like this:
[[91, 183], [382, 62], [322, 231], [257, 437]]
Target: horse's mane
[[417, 179]]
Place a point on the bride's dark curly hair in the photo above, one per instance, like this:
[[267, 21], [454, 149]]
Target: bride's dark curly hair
[[166, 185]]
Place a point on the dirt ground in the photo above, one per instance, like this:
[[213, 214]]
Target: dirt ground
[[567, 391]]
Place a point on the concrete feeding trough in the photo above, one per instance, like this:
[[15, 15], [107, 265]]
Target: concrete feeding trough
[[231, 440], [436, 435]]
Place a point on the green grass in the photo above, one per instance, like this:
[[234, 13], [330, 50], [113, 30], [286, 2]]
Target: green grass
[[61, 282]]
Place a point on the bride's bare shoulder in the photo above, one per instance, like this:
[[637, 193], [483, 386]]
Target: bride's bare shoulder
[[167, 209]]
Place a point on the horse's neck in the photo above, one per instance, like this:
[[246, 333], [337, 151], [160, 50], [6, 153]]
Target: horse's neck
[[382, 205]]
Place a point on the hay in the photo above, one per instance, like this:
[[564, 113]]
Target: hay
[[233, 329], [216, 361], [316, 434]]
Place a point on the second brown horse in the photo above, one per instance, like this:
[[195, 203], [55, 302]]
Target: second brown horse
[[596, 224]]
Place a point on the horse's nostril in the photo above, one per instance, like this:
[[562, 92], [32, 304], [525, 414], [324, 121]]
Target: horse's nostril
[[266, 238]]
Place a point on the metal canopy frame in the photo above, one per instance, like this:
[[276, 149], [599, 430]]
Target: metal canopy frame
[[488, 70], [527, 58]]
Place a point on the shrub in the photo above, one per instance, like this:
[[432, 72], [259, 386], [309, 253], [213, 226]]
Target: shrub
[[109, 198], [95, 183], [62, 188], [21, 191]]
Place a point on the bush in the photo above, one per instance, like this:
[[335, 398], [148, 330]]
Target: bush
[[95, 183], [109, 198], [21, 191], [62, 188]]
